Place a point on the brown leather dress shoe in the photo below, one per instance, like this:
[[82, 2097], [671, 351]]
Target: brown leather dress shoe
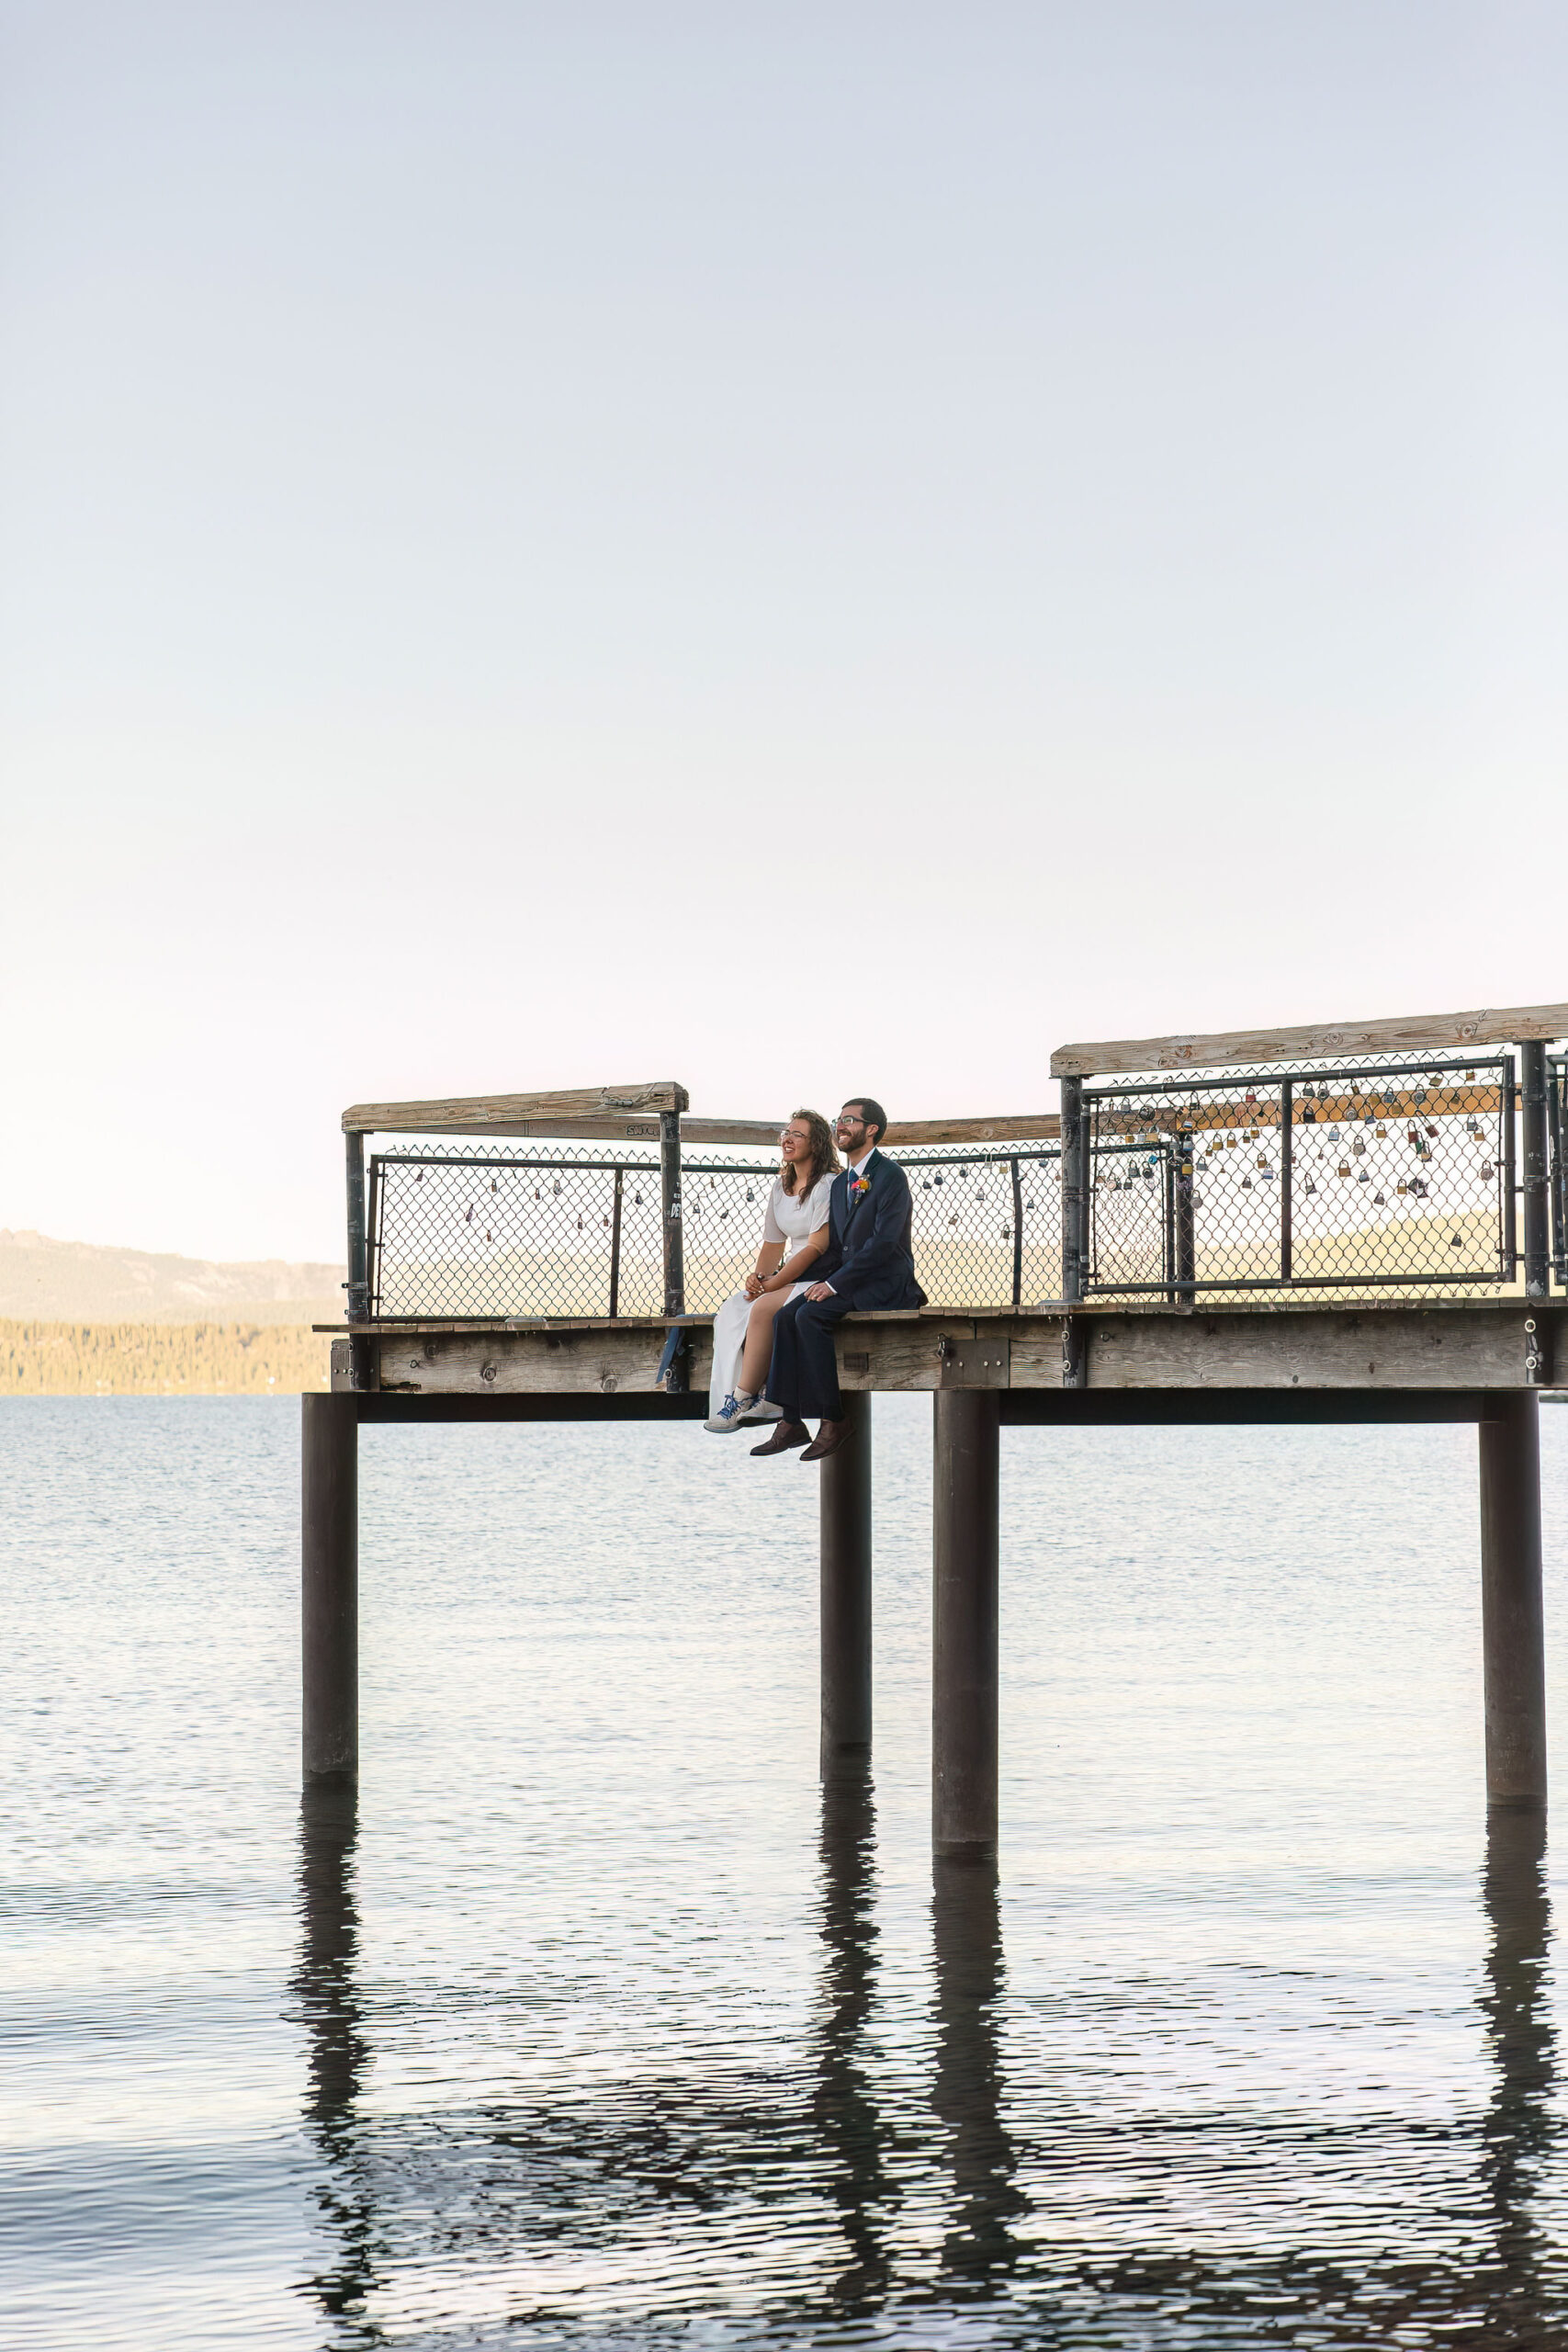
[[829, 1437], [786, 1435]]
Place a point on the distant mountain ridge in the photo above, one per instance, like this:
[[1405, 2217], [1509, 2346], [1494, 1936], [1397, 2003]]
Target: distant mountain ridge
[[78, 1282]]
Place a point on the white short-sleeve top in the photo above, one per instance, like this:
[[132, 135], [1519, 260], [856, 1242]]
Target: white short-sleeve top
[[793, 1218]]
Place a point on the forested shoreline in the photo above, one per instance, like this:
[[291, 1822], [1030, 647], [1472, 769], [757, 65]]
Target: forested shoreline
[[41, 1359]]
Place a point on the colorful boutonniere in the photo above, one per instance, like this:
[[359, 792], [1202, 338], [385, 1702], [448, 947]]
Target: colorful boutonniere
[[858, 1184]]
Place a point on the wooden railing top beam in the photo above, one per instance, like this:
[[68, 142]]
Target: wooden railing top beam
[[597, 1110], [1421, 1032], [614, 1113]]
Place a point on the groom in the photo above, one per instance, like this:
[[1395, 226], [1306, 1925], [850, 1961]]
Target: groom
[[868, 1263]]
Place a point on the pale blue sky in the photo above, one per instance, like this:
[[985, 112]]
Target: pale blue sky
[[796, 549]]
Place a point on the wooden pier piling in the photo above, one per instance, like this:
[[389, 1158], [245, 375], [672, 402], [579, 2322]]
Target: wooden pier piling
[[330, 1585], [964, 1621], [845, 1541], [1512, 1632]]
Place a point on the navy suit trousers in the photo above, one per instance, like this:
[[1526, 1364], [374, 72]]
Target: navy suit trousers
[[804, 1376]]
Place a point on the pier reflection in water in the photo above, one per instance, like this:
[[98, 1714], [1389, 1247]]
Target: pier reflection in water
[[369, 2179], [859, 2171]]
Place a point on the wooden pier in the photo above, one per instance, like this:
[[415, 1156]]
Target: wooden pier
[[1184, 1288]]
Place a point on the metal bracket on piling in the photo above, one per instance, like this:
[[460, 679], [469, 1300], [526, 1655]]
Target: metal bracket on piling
[[1538, 1365], [675, 1363]]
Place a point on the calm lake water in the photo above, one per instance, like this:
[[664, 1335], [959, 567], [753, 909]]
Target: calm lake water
[[598, 2023]]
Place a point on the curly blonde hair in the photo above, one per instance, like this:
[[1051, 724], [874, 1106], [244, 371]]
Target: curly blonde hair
[[824, 1157]]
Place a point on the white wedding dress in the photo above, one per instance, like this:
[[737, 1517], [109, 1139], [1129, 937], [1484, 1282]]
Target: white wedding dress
[[790, 1219]]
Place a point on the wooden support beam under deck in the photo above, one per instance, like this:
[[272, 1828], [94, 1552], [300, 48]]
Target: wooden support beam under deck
[[1016, 1408]]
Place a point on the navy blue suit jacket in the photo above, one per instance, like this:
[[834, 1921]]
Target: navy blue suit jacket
[[869, 1260]]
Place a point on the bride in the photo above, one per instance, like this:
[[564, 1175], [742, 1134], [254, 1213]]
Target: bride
[[795, 1234]]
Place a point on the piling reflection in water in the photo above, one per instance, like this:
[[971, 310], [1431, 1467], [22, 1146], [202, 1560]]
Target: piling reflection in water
[[673, 2175], [967, 2093], [967, 2088], [326, 1991], [1519, 2127], [842, 2105]]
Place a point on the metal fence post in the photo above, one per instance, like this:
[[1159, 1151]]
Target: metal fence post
[[1558, 1171], [1075, 1230], [615, 1249], [374, 1196], [1537, 1222], [1510, 1174], [1075, 1191], [1286, 1167], [670, 1194], [359, 1285], [1017, 1234], [1185, 1230], [358, 1262]]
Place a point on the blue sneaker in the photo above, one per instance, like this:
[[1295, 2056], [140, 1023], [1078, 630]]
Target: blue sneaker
[[731, 1415]]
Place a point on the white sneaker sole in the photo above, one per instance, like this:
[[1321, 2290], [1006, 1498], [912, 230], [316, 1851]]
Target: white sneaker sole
[[723, 1428], [755, 1415]]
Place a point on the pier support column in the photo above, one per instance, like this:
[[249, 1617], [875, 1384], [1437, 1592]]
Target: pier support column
[[330, 1585], [964, 1622], [1513, 1633], [846, 1590]]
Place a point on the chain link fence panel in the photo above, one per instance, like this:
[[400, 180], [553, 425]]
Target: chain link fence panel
[[486, 1235], [1364, 1178]]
